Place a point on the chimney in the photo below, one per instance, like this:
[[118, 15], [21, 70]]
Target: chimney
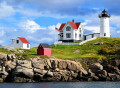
[[73, 20]]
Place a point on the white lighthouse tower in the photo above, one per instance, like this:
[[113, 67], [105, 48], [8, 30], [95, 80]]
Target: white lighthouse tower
[[104, 24]]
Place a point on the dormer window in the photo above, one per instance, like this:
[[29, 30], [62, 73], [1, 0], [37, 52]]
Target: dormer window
[[68, 28]]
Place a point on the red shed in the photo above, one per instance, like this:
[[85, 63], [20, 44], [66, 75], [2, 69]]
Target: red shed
[[44, 49]]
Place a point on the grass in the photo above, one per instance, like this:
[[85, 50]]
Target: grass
[[76, 52], [87, 50]]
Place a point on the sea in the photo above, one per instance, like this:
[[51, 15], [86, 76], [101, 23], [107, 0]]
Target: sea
[[62, 85]]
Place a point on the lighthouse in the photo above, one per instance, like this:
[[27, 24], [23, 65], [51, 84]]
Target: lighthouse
[[104, 24]]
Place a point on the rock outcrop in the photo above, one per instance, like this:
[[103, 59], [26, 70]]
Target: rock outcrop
[[38, 70]]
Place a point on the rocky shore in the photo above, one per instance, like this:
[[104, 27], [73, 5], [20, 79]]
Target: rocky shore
[[38, 69]]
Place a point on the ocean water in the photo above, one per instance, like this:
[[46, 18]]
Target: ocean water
[[62, 85]]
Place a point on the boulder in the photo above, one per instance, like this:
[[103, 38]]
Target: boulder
[[23, 72], [95, 78], [57, 76], [11, 57], [74, 75], [48, 63], [99, 43], [9, 48], [90, 73], [39, 71], [67, 65], [95, 67], [11, 65], [62, 65], [49, 74], [3, 73], [54, 63], [112, 69], [103, 72], [38, 63], [24, 63]]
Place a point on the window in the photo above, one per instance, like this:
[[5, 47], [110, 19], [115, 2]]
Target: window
[[104, 34], [75, 35], [17, 41], [85, 38], [92, 35], [68, 35], [61, 35], [80, 29], [27, 45], [68, 28], [80, 35]]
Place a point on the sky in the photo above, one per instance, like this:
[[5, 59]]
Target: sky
[[36, 19]]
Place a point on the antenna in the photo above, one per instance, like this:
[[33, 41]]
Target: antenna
[[12, 40]]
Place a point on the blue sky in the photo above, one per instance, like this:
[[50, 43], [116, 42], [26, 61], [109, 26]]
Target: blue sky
[[36, 19]]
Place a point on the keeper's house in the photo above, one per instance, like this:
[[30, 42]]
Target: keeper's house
[[70, 32]]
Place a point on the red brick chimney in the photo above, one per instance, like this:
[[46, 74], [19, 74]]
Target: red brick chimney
[[73, 20]]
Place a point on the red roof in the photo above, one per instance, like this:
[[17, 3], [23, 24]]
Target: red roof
[[61, 27], [23, 40], [74, 25]]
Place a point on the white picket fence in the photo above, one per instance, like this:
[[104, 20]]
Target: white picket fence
[[60, 43]]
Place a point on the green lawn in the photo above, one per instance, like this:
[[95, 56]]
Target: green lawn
[[87, 50], [76, 52]]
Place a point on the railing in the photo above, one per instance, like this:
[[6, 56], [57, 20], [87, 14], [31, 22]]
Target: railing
[[87, 40], [68, 43]]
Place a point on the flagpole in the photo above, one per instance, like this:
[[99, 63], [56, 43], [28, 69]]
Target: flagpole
[[56, 29], [55, 36]]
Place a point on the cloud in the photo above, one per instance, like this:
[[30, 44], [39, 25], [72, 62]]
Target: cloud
[[52, 29], [94, 29], [39, 40], [58, 8], [31, 26], [6, 10], [2, 33], [118, 31], [1, 41], [52, 8]]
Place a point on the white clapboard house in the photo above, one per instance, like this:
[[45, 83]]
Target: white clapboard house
[[21, 42], [71, 31]]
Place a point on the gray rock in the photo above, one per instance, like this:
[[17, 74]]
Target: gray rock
[[95, 67], [103, 72], [38, 63], [39, 71], [9, 48], [24, 72], [24, 63], [49, 74], [3, 73], [28, 72], [95, 78], [99, 43], [90, 73]]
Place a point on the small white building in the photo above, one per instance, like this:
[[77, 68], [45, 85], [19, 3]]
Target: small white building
[[71, 31], [20, 42]]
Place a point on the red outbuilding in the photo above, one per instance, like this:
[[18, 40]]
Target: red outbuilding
[[44, 49]]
